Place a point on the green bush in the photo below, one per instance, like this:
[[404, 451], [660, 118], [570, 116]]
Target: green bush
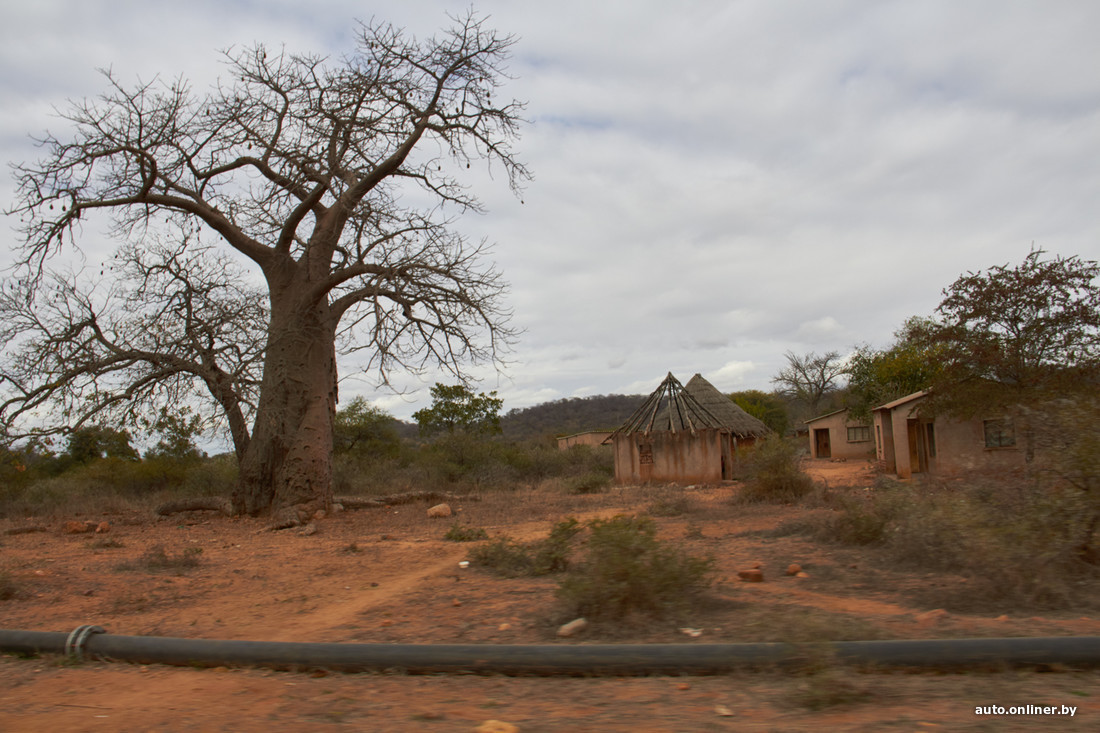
[[592, 482], [458, 533], [504, 556], [774, 474], [627, 569]]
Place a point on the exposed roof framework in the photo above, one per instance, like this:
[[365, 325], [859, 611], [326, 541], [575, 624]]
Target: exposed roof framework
[[674, 408]]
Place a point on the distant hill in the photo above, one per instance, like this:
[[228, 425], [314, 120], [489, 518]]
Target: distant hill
[[568, 416]]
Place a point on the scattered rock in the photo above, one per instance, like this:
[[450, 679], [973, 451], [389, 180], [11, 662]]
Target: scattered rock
[[573, 627], [456, 602], [723, 711], [752, 575], [504, 627], [928, 618], [309, 529], [801, 574], [693, 633], [683, 686], [337, 508], [1002, 617], [794, 569], [496, 726], [440, 510], [103, 528], [319, 514], [74, 527]]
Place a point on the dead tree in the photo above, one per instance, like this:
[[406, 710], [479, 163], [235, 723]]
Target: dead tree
[[338, 181], [810, 378]]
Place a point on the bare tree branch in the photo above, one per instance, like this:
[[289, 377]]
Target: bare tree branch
[[811, 377], [177, 323]]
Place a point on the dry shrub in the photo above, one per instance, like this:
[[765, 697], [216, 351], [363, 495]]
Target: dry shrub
[[9, 588], [627, 569], [509, 558], [774, 474], [592, 482], [671, 504], [1016, 542], [156, 559], [458, 533]]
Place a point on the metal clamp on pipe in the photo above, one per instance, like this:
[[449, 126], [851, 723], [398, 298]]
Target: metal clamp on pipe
[[78, 639]]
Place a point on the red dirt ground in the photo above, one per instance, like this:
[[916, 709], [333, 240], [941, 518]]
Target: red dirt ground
[[386, 575]]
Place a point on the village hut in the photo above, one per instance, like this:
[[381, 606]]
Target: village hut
[[687, 434]]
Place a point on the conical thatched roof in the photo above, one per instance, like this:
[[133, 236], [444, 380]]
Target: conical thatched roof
[[732, 417], [675, 408]]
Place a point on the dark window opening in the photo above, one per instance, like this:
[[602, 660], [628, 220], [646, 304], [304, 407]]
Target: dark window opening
[[999, 433], [859, 434]]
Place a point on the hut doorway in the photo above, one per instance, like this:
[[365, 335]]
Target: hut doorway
[[729, 449], [821, 443]]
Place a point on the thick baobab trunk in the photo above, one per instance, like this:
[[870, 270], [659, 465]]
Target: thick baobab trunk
[[287, 465]]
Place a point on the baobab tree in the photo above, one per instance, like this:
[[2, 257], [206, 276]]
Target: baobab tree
[[339, 181]]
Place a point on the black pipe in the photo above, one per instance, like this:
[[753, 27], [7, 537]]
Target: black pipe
[[553, 659]]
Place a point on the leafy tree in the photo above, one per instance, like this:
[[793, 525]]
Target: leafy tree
[[91, 442], [362, 427], [1016, 335], [177, 437], [878, 377], [769, 408], [1012, 336], [456, 408], [809, 379], [338, 182]]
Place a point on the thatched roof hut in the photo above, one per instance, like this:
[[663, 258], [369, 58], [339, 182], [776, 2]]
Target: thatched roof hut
[[683, 433]]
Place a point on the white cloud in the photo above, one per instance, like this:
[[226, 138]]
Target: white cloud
[[731, 376], [715, 183], [824, 330]]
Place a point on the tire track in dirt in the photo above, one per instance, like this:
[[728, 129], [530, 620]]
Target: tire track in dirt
[[333, 614]]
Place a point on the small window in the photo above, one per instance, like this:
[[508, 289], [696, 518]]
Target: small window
[[999, 433], [859, 434]]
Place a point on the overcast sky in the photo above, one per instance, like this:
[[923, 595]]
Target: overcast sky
[[716, 183]]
